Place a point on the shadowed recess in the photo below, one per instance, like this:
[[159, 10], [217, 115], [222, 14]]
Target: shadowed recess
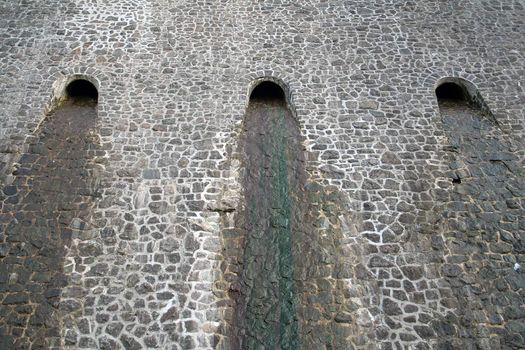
[[81, 89], [267, 91], [451, 91]]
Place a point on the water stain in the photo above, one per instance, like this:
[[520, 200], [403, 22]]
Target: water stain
[[273, 163], [46, 204], [482, 219], [285, 264]]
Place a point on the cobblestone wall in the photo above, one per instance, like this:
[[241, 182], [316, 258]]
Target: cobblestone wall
[[428, 262]]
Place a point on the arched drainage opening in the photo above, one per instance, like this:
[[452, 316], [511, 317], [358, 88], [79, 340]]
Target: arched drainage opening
[[267, 91], [81, 90], [451, 91]]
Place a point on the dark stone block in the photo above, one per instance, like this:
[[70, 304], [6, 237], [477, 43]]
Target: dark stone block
[[114, 328], [413, 273], [170, 315], [42, 313], [191, 326], [391, 308], [10, 190], [343, 317], [159, 207], [390, 158], [87, 343], [188, 343], [129, 342], [392, 324], [106, 343], [407, 337], [165, 296], [514, 312], [107, 232], [514, 340], [450, 270], [190, 244], [102, 318], [90, 249], [52, 293], [99, 270], [424, 332], [151, 342], [70, 305], [377, 261], [17, 298], [70, 337], [516, 326]]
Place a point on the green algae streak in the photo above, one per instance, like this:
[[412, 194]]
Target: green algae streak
[[270, 315]]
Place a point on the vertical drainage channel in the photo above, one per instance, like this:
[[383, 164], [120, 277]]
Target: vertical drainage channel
[[286, 265], [265, 315], [41, 210]]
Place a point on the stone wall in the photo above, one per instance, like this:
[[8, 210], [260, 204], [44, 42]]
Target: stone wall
[[427, 262]]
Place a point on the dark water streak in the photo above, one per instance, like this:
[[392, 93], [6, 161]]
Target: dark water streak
[[482, 219], [50, 191], [273, 160], [284, 259]]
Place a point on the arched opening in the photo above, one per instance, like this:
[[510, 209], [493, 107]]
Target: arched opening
[[451, 91], [267, 91], [81, 90]]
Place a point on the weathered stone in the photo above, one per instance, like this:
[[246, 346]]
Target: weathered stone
[[413, 273], [106, 343], [451, 270], [151, 174], [158, 207], [129, 342], [343, 317], [129, 232], [114, 329], [170, 315], [169, 244], [377, 261], [391, 307], [70, 338], [70, 305], [16, 298], [10, 190], [424, 332], [90, 249], [368, 104]]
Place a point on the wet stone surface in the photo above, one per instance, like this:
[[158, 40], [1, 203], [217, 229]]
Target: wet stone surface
[[265, 313], [288, 277], [483, 234], [45, 207]]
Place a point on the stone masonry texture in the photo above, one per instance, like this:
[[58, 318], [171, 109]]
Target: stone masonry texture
[[392, 219]]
